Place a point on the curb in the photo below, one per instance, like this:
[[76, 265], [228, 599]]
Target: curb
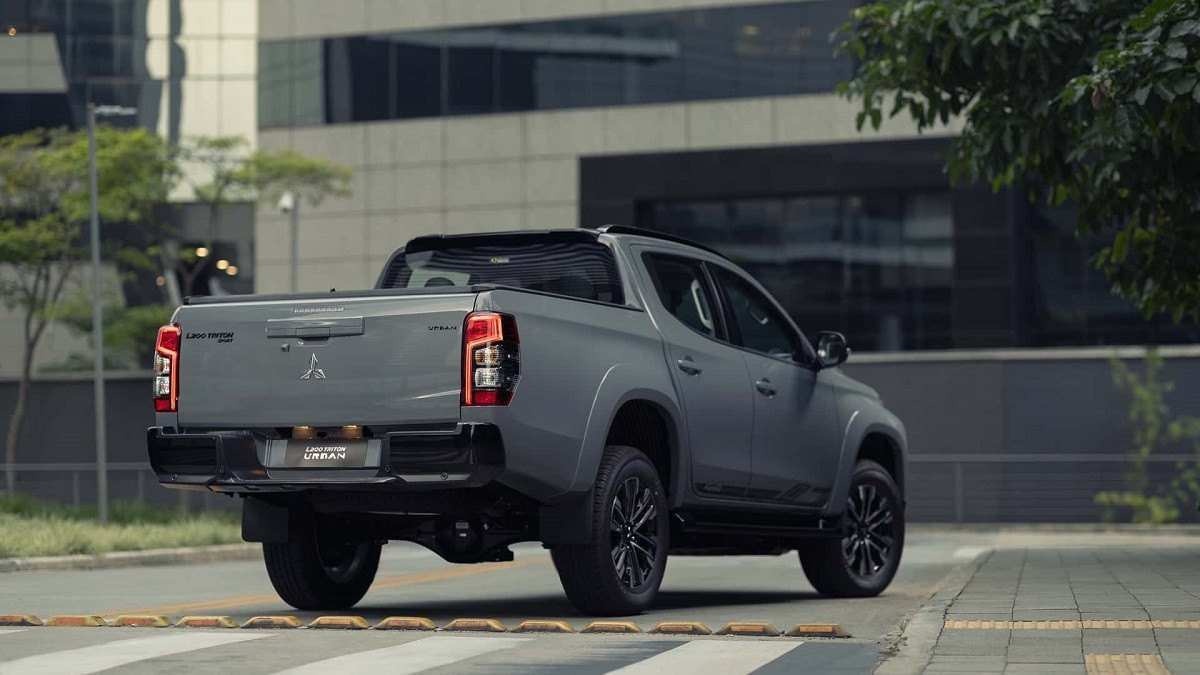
[[914, 646], [158, 556]]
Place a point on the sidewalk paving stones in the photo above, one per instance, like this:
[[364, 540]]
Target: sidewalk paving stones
[[1083, 610]]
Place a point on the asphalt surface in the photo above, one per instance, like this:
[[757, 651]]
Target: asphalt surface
[[414, 582]]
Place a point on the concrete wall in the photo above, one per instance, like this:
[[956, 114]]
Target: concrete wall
[[1020, 436]]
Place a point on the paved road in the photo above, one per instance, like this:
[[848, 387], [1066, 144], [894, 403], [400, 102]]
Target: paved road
[[413, 582]]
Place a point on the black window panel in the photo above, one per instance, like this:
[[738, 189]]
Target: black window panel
[[568, 266], [471, 73], [877, 266], [754, 322], [417, 79], [99, 17], [683, 290], [105, 56], [357, 79], [642, 58], [22, 112]]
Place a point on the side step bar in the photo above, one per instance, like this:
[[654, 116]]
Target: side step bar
[[743, 524]]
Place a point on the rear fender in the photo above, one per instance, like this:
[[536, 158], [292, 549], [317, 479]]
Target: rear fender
[[621, 384]]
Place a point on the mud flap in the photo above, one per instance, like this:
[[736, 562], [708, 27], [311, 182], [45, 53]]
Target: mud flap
[[264, 521], [566, 521]]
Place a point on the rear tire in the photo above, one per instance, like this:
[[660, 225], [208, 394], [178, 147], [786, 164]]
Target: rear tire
[[863, 562], [619, 570], [318, 571]]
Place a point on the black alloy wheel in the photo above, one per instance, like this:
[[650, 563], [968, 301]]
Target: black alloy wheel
[[633, 533], [863, 561], [616, 569], [867, 544]]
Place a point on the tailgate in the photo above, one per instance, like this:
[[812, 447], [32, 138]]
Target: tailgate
[[322, 362]]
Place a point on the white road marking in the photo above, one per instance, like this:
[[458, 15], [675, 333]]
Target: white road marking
[[120, 653], [4, 631], [410, 657], [712, 656], [968, 552]]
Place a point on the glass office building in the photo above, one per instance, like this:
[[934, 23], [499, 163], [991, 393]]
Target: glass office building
[[655, 116]]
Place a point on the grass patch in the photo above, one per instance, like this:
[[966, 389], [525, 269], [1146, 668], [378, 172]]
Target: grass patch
[[29, 527]]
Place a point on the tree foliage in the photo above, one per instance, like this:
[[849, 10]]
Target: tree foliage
[[1092, 101], [44, 209]]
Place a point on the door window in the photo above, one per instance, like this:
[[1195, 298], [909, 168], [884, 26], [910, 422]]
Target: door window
[[755, 323], [683, 291]]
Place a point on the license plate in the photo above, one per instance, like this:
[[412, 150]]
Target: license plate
[[325, 453]]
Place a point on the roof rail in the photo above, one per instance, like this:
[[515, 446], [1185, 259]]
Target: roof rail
[[653, 234]]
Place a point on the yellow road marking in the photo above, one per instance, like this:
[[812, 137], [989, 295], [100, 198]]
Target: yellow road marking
[[393, 581], [1125, 664], [1073, 624]]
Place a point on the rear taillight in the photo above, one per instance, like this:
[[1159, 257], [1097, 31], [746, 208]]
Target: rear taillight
[[491, 358], [166, 369]]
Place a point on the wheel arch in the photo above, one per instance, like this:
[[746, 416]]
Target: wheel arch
[[874, 433]]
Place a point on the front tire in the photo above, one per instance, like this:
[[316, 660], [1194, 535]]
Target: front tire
[[863, 562], [619, 570], [319, 571]]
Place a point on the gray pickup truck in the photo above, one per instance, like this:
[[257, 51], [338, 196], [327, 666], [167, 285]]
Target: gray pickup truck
[[615, 394]]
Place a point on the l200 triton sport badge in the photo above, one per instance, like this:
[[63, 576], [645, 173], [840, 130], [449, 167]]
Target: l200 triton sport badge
[[313, 372]]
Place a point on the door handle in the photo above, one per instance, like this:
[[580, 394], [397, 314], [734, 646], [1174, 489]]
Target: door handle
[[764, 387], [687, 365]]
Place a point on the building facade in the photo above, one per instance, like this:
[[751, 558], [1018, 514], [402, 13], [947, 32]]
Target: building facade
[[716, 121]]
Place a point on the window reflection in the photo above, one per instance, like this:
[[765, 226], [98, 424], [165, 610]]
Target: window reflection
[[878, 266], [601, 61]]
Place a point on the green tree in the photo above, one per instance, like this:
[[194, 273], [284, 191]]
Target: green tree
[[44, 204], [1092, 101], [230, 172]]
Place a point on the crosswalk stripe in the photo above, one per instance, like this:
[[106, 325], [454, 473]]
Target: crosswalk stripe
[[410, 657], [712, 656], [122, 652]]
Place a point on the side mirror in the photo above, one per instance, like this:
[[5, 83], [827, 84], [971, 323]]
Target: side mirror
[[831, 349]]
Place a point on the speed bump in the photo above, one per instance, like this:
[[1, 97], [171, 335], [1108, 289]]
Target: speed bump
[[681, 628], [340, 623], [141, 621], [19, 620], [543, 626], [758, 628], [611, 627], [405, 623], [206, 622], [829, 630], [77, 620], [483, 625], [272, 622]]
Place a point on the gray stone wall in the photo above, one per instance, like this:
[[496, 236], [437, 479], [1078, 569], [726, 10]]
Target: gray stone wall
[[1014, 436]]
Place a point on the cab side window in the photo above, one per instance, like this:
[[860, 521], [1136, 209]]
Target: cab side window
[[683, 290], [755, 323]]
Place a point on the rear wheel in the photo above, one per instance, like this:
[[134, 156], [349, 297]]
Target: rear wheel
[[864, 560], [619, 571], [321, 571]]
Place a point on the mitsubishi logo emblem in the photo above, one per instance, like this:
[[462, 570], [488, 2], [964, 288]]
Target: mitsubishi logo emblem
[[313, 372]]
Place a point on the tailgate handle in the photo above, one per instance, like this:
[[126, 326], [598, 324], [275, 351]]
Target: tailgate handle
[[314, 328]]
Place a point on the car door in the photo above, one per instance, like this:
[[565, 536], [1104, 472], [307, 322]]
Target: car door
[[709, 375], [796, 441]]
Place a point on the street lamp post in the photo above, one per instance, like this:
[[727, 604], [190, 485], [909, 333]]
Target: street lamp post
[[97, 310], [289, 203]]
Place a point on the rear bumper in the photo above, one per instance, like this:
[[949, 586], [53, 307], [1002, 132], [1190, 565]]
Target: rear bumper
[[462, 455]]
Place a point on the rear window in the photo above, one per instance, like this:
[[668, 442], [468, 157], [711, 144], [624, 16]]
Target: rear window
[[579, 268]]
